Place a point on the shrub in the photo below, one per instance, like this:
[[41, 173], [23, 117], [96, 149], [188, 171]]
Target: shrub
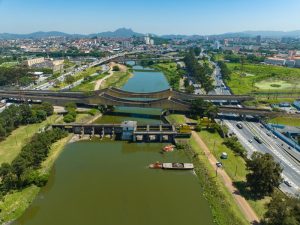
[[68, 118]]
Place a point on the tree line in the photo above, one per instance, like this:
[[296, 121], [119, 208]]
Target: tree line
[[200, 72], [15, 75], [23, 171], [16, 115]]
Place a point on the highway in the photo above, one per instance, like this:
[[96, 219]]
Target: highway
[[270, 144], [49, 85]]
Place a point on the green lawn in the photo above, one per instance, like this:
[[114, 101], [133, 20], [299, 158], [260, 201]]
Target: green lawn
[[118, 80], [170, 71], [14, 204], [262, 78], [286, 121], [235, 166], [225, 210], [13, 144], [90, 85], [80, 75], [176, 119]]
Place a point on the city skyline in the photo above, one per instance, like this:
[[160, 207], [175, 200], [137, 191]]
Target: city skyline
[[195, 17]]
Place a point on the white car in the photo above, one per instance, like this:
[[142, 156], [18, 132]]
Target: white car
[[250, 140]]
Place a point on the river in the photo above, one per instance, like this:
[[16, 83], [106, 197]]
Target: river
[[109, 183]]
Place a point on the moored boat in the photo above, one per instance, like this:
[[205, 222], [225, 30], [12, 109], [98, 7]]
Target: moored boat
[[169, 148], [172, 166], [156, 165], [178, 166]]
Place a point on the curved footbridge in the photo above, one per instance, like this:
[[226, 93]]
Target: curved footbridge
[[167, 99]]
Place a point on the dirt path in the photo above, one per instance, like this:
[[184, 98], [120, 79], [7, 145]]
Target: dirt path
[[98, 84], [240, 200]]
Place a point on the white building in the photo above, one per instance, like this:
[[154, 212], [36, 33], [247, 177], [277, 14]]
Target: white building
[[275, 61], [147, 40]]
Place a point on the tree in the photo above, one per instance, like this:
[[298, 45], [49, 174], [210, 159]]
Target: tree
[[264, 175], [202, 108], [116, 68], [69, 79], [48, 108], [69, 118], [282, 210]]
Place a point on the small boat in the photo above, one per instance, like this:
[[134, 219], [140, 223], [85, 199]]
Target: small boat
[[168, 148], [172, 166], [178, 166], [156, 165]]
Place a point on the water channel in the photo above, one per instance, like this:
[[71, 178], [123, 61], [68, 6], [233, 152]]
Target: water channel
[[109, 183]]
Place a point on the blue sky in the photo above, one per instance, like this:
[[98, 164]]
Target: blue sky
[[151, 16]]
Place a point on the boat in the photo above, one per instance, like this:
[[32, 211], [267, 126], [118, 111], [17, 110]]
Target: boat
[[178, 166], [156, 165], [168, 148], [172, 166]]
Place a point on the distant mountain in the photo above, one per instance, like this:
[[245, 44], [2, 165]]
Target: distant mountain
[[119, 33], [270, 34], [36, 35], [127, 33]]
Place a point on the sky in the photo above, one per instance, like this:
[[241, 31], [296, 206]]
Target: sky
[[152, 16]]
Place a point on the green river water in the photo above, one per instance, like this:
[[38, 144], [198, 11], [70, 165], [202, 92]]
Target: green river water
[[109, 183]]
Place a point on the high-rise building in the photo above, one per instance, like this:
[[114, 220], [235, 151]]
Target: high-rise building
[[258, 39], [147, 40], [217, 45]]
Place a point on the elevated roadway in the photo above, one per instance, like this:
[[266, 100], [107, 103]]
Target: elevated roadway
[[174, 101]]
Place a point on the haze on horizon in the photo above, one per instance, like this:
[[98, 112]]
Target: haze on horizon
[[155, 16]]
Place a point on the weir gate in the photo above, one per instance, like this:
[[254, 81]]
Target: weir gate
[[127, 131]]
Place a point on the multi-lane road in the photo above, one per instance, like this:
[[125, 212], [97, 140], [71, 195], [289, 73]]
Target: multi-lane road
[[270, 143], [50, 84]]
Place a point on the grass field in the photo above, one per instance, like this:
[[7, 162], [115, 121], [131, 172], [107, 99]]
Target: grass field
[[224, 209], [286, 121], [176, 119], [89, 86], [80, 75], [118, 79], [13, 144], [235, 166], [170, 71], [14, 204], [264, 78]]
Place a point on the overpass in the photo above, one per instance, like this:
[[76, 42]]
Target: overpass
[[168, 99]]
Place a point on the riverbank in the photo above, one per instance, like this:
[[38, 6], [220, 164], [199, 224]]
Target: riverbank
[[116, 79], [234, 171], [14, 204], [224, 209], [172, 73]]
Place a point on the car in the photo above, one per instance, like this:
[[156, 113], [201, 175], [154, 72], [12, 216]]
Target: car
[[219, 164], [287, 183], [275, 137], [239, 125], [250, 140], [257, 139], [269, 134]]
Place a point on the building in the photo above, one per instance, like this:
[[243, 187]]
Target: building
[[297, 62], [147, 40], [54, 65], [296, 104], [217, 45], [275, 61], [290, 63], [32, 62], [258, 39]]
